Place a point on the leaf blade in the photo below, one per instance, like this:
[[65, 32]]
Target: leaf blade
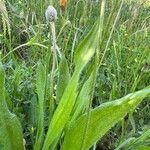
[[40, 85], [63, 111], [101, 120], [64, 78]]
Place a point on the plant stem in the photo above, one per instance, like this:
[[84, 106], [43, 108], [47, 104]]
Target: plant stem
[[53, 66]]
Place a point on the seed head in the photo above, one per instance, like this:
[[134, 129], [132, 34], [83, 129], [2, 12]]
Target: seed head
[[51, 14]]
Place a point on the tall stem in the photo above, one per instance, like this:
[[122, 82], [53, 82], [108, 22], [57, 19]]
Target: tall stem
[[53, 65]]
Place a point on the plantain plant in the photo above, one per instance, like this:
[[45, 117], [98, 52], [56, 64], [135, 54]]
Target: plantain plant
[[72, 124]]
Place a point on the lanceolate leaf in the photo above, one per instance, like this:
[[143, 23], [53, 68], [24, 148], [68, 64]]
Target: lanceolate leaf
[[84, 97], [64, 78], [64, 109], [40, 85], [101, 119], [87, 47], [10, 129], [62, 112]]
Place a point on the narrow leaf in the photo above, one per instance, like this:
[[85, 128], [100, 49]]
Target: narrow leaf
[[87, 47], [64, 78], [62, 112], [64, 109], [84, 97], [40, 85]]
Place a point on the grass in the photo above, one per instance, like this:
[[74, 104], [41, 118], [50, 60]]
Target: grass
[[105, 56]]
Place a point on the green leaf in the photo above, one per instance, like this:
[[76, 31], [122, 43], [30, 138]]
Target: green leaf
[[40, 85], [142, 140], [10, 129], [64, 78], [62, 112], [83, 99], [33, 112], [87, 47], [8, 101], [100, 120], [66, 104]]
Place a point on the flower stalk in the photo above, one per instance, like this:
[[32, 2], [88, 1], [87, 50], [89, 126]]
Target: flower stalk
[[51, 17]]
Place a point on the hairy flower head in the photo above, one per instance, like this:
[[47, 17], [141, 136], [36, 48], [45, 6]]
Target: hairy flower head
[[51, 14]]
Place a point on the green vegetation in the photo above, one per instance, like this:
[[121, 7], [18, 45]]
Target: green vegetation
[[76, 83]]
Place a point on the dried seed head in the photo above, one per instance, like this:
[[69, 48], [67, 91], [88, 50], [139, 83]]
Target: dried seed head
[[51, 14]]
